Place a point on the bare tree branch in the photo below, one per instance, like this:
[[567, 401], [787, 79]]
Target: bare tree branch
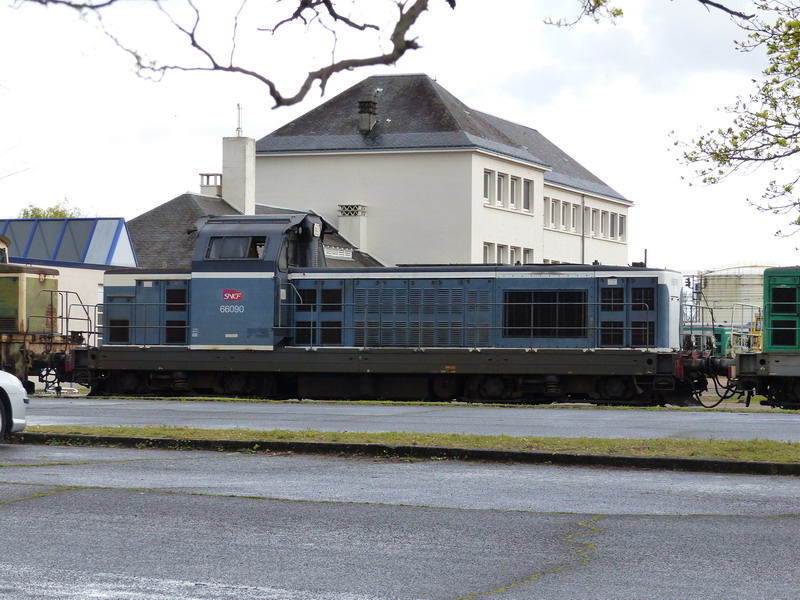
[[305, 11]]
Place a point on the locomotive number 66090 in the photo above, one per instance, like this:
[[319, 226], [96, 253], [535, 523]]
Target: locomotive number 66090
[[231, 308]]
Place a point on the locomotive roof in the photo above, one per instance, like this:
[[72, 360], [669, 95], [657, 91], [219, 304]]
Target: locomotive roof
[[416, 113], [160, 236], [482, 268]]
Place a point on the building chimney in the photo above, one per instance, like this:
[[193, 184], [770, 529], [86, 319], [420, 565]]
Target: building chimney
[[367, 115], [352, 225], [239, 173], [211, 184]]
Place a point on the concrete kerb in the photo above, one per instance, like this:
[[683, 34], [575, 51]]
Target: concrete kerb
[[423, 453]]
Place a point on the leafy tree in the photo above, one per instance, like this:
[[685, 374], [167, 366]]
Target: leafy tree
[[62, 210], [605, 10], [766, 125]]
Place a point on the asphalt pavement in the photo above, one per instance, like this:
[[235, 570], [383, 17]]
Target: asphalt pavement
[[486, 420], [125, 524], [422, 418]]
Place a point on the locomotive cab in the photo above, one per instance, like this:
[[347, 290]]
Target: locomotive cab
[[240, 277]]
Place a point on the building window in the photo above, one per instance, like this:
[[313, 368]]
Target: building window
[[527, 256], [527, 195], [594, 221], [553, 213], [488, 253], [612, 226], [501, 254], [515, 256], [513, 193], [487, 186], [565, 215], [500, 199], [621, 231], [574, 221]]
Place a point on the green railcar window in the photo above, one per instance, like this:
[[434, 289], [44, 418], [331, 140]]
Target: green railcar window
[[784, 300], [784, 333]]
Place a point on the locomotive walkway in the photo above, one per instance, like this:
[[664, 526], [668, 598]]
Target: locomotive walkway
[[484, 420]]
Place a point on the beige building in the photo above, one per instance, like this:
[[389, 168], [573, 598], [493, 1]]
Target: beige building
[[409, 174]]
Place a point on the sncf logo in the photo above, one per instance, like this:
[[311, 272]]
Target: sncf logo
[[232, 295]]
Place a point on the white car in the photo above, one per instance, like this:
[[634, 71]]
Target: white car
[[13, 404]]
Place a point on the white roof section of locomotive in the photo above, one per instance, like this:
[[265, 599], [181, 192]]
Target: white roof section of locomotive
[[666, 277]]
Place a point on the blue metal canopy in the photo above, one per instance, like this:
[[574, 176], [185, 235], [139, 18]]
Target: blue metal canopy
[[69, 242]]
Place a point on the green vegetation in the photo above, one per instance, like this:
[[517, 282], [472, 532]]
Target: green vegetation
[[61, 210], [747, 450]]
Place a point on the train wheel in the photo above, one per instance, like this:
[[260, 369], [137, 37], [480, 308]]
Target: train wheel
[[234, 384], [613, 388], [492, 387], [446, 387], [128, 382], [788, 394]]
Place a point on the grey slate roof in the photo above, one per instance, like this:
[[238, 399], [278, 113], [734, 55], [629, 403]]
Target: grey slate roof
[[416, 113], [161, 241]]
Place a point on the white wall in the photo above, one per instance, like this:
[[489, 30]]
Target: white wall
[[418, 203], [87, 284], [504, 223], [429, 207]]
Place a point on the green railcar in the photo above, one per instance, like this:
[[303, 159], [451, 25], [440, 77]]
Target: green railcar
[[782, 309]]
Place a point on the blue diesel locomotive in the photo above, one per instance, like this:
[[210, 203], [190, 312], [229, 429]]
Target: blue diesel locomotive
[[260, 314]]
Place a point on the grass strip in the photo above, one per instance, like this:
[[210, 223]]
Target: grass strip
[[742, 450]]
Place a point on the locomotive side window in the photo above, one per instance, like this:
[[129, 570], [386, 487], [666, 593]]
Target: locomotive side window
[[236, 247], [644, 298], [643, 333], [612, 299], [119, 331], [176, 299], [331, 332], [517, 314], [331, 299], [307, 302], [612, 333], [175, 332], [545, 314]]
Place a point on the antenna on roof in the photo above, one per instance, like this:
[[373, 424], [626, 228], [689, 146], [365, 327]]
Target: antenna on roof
[[238, 120]]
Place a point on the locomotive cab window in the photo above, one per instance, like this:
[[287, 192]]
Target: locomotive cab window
[[236, 248]]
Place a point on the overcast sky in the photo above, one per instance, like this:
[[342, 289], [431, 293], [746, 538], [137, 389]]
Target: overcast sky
[[77, 123]]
